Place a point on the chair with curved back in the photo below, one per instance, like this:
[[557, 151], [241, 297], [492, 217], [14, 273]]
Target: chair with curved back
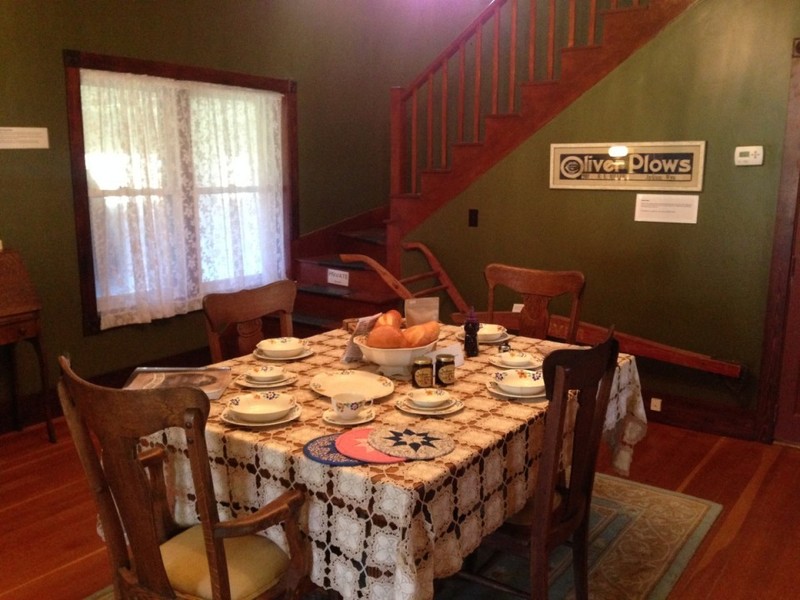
[[538, 288], [559, 510], [150, 557], [235, 320]]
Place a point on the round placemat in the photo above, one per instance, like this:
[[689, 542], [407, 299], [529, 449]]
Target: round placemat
[[323, 450], [355, 444], [411, 443]]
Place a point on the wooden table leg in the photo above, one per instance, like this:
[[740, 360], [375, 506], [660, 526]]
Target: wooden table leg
[[44, 395]]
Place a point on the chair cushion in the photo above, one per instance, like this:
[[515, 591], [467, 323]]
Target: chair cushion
[[255, 564]]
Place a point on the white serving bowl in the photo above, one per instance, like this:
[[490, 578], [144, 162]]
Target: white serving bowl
[[265, 373], [284, 347], [261, 406], [520, 381], [395, 360], [489, 332], [515, 358], [428, 397]]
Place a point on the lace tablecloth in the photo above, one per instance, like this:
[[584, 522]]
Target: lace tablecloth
[[386, 531]]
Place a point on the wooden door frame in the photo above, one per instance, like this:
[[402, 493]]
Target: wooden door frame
[[786, 226]]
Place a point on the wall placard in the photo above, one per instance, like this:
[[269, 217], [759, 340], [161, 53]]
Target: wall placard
[[13, 138], [669, 166]]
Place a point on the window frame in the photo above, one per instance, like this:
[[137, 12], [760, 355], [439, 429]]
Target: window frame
[[74, 61]]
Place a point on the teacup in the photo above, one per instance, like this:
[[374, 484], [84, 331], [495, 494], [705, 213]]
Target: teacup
[[348, 405]]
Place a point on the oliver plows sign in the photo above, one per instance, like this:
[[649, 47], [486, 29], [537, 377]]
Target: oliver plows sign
[[674, 166]]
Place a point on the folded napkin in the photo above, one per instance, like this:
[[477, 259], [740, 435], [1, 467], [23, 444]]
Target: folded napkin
[[352, 353]]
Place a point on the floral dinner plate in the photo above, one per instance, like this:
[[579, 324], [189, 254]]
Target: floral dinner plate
[[352, 380]]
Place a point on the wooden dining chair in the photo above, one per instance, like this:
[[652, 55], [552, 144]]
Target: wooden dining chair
[[538, 288], [150, 556], [235, 321], [559, 510]]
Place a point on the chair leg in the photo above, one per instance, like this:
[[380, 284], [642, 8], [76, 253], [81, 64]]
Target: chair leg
[[580, 559], [539, 573]]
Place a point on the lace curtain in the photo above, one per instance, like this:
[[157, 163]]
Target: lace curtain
[[185, 192]]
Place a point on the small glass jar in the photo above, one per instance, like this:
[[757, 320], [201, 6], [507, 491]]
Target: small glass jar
[[422, 373], [445, 369]]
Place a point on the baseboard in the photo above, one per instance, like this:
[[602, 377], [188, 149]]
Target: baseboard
[[702, 416]]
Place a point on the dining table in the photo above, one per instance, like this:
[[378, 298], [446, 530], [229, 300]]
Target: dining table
[[387, 529]]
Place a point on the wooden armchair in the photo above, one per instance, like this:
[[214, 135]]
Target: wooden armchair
[[560, 508], [235, 321], [538, 288], [150, 557]]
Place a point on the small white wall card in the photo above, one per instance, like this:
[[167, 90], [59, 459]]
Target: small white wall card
[[12, 138], [662, 208]]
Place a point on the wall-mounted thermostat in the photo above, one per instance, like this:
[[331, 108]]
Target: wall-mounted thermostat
[[748, 156]]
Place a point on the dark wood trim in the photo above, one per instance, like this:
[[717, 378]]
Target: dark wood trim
[[80, 195], [74, 61], [786, 216], [123, 64], [702, 416]]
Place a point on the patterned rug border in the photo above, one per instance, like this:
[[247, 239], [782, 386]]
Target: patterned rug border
[[610, 526], [620, 524]]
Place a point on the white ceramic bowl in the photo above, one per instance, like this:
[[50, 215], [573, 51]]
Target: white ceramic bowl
[[284, 347], [515, 358], [489, 332], [522, 382], [428, 397], [392, 357], [265, 373], [261, 407]]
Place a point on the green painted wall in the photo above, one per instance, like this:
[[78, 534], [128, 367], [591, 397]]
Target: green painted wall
[[345, 56], [720, 74]]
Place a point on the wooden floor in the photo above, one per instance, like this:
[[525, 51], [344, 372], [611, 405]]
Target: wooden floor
[[49, 548]]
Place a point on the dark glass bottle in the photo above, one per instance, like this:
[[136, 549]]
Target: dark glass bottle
[[471, 326]]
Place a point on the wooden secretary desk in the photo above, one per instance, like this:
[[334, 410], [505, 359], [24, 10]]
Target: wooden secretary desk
[[20, 309]]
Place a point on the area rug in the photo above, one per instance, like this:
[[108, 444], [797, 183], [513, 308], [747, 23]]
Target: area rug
[[641, 538]]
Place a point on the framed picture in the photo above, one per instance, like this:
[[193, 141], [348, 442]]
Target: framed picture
[[667, 166], [212, 380]]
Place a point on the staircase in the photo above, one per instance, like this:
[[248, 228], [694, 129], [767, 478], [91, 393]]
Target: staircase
[[468, 109], [517, 66]]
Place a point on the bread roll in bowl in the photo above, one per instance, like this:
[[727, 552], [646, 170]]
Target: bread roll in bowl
[[422, 334], [386, 336], [392, 318]]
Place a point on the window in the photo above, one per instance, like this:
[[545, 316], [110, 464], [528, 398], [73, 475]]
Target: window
[[184, 185]]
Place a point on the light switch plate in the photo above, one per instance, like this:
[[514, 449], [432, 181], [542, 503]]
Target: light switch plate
[[748, 156], [338, 277]]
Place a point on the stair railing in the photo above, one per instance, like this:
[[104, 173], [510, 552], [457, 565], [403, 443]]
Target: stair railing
[[447, 102]]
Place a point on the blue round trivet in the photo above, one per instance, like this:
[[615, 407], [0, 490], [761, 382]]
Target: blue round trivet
[[323, 450]]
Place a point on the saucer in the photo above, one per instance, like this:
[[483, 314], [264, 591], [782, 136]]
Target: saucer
[[534, 364], [498, 340], [231, 420], [261, 356], [405, 405], [244, 381], [365, 416], [496, 389]]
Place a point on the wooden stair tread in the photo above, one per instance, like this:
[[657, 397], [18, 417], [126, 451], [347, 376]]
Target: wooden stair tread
[[337, 291], [333, 261], [375, 235]]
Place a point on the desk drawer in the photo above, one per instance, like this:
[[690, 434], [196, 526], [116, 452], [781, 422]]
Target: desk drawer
[[19, 330]]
